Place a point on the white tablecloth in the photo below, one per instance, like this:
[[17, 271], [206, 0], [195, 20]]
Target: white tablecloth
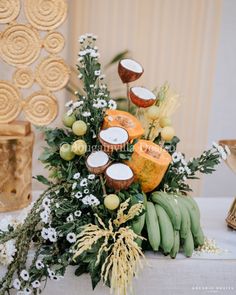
[[204, 274]]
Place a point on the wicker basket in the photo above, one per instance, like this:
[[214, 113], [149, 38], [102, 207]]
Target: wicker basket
[[231, 218], [16, 147]]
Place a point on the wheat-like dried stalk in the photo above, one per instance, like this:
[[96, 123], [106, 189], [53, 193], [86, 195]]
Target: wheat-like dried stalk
[[123, 262]]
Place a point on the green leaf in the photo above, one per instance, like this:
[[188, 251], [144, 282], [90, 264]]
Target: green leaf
[[82, 268], [117, 58], [42, 179]]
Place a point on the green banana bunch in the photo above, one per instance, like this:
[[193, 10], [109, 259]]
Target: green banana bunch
[[166, 229], [137, 227], [185, 219], [188, 245], [193, 213], [169, 202], [152, 224], [175, 249]]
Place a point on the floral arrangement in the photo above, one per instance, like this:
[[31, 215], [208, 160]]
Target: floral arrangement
[[117, 188]]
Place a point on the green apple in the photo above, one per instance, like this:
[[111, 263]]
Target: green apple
[[167, 133], [68, 121], [79, 127], [153, 113], [165, 121], [66, 152], [79, 147], [111, 202]]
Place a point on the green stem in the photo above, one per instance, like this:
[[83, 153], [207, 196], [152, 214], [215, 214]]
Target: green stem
[[103, 186]]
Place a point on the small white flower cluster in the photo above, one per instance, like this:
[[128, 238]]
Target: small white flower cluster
[[45, 214], [8, 221], [92, 52], [223, 152], [7, 252], [101, 103], [72, 106], [178, 158], [49, 234], [90, 200], [86, 197]]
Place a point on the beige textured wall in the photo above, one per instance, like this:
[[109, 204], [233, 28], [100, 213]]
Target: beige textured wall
[[174, 40]]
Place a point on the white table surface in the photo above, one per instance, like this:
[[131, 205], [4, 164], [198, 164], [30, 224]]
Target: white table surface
[[201, 274]]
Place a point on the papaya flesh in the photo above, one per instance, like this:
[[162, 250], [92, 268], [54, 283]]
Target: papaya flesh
[[125, 120], [149, 163]]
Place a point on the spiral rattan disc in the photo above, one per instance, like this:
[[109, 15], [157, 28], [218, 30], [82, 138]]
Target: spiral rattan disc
[[9, 10], [40, 108], [20, 44], [54, 42], [23, 77], [45, 15], [10, 102], [52, 73]]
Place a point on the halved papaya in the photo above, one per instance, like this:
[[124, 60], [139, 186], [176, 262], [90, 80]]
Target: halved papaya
[[125, 120], [149, 163]]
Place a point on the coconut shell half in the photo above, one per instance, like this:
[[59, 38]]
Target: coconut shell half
[[113, 138], [119, 176], [129, 70], [142, 97], [97, 162]]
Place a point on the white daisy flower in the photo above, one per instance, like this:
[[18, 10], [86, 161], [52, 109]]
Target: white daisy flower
[[36, 284], [94, 54], [91, 176], [183, 161], [44, 216], [188, 170], [112, 104], [77, 104], [74, 185], [69, 104], [86, 114], [81, 59], [50, 272], [86, 200], [45, 233], [39, 264], [94, 39], [46, 202], [86, 191], [71, 238], [181, 170], [80, 76], [76, 175], [16, 284], [176, 157], [78, 195], [82, 39], [97, 73], [102, 103], [83, 182], [69, 112], [78, 213], [82, 53], [94, 200], [27, 291], [24, 275], [70, 218], [52, 236]]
